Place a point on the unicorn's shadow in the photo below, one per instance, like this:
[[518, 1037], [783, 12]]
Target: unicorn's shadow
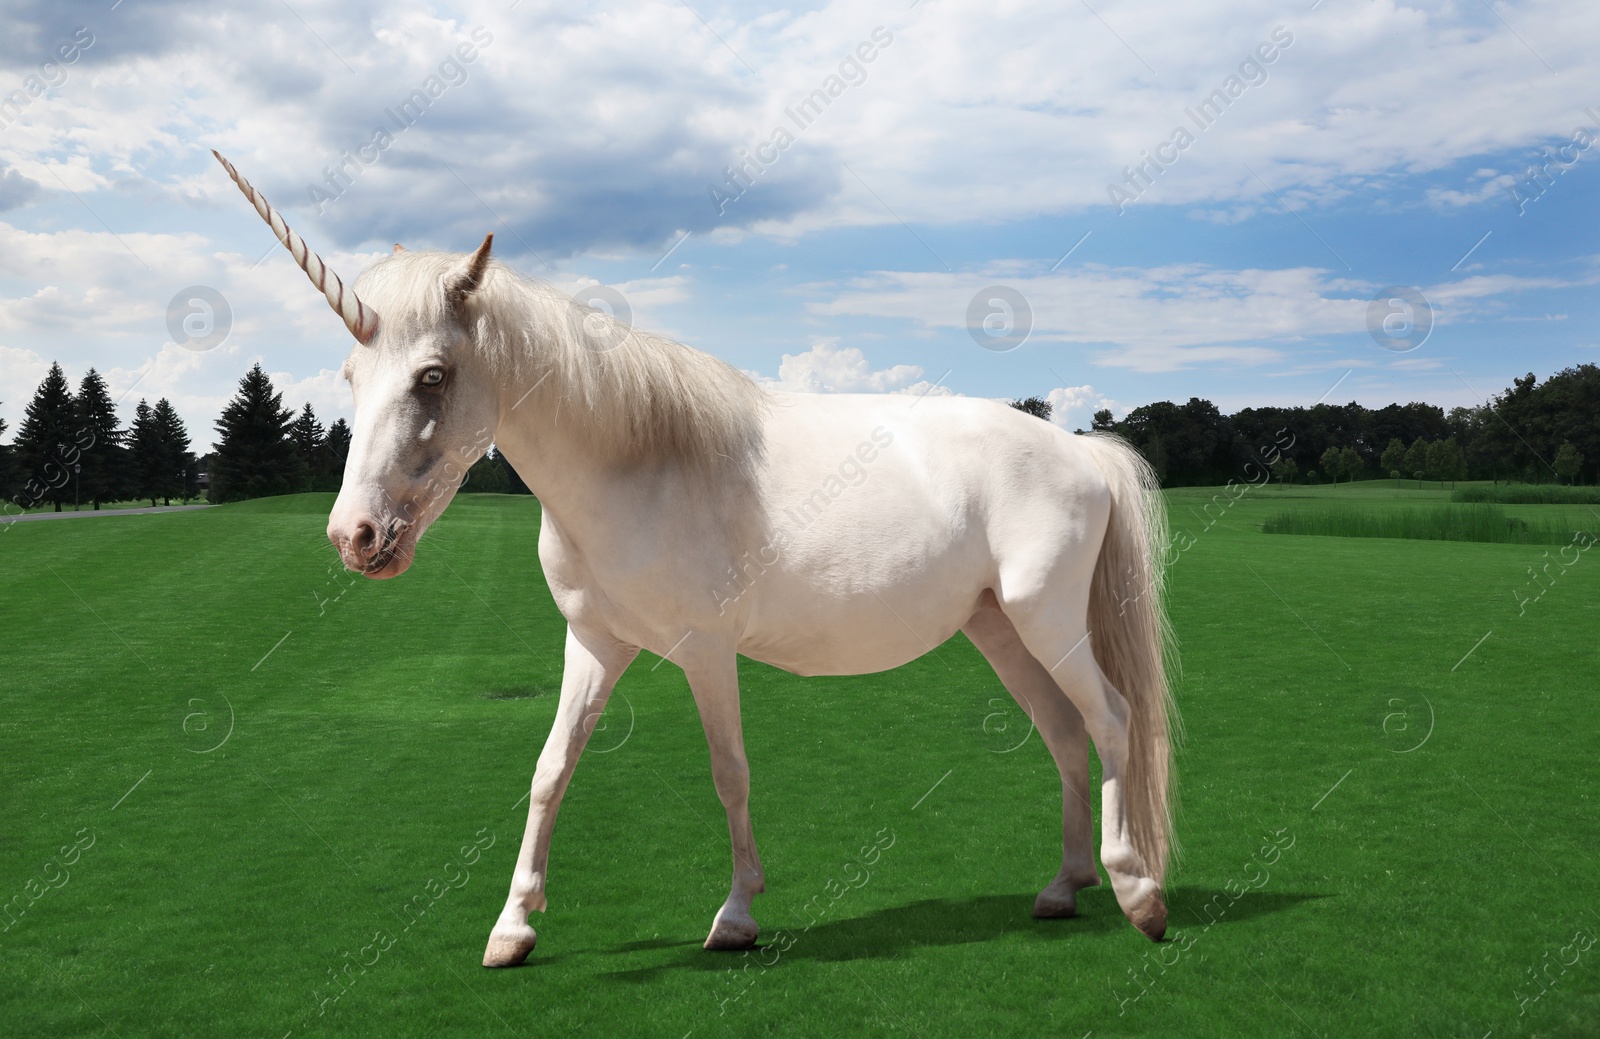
[[929, 923]]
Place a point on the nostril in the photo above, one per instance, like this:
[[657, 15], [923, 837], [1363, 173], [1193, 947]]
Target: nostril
[[365, 540]]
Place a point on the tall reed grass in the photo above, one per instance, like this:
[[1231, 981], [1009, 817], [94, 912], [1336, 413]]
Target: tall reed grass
[[1529, 494], [1488, 523]]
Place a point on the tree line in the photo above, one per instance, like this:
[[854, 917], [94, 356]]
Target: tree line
[[71, 448], [1532, 432]]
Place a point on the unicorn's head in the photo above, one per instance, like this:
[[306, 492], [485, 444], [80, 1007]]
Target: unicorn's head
[[425, 410]]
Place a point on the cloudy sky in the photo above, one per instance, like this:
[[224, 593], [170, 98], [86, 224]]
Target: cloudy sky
[[1168, 201]]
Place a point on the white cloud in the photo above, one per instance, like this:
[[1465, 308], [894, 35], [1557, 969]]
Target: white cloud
[[1490, 186], [1169, 318], [615, 134], [1073, 406], [830, 368]]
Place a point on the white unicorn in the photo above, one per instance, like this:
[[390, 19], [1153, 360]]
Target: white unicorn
[[691, 513]]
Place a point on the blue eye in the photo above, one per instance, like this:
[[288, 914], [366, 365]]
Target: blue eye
[[432, 377]]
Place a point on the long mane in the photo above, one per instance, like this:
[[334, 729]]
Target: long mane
[[636, 396]]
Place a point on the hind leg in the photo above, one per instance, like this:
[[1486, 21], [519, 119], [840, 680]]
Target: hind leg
[[1058, 637], [1061, 727]]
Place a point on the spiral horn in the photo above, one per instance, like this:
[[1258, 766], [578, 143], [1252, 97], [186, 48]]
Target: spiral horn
[[358, 317]]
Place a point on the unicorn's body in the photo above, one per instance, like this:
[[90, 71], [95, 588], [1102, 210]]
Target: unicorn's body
[[804, 566], [690, 513]]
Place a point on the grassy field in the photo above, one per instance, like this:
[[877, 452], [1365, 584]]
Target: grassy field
[[229, 770]]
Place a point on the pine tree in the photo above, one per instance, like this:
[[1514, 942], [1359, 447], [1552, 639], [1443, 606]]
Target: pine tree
[[487, 476], [178, 466], [47, 443], [335, 449], [7, 471], [145, 455], [309, 440], [104, 473], [255, 457]]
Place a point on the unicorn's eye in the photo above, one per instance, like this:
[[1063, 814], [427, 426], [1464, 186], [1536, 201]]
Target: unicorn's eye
[[431, 377]]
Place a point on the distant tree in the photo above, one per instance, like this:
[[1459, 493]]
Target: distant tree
[[487, 476], [105, 469], [7, 467], [1445, 461], [1285, 467], [335, 449], [1186, 444], [202, 473], [1350, 463], [1394, 458], [1035, 406], [1437, 461], [1102, 421], [255, 456], [1568, 461], [145, 456], [1417, 460], [1332, 463], [178, 472], [513, 480], [309, 440], [47, 443]]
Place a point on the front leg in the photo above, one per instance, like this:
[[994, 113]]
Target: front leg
[[593, 665], [713, 676]]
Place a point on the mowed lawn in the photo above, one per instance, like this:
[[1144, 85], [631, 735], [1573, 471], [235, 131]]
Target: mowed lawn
[[274, 776]]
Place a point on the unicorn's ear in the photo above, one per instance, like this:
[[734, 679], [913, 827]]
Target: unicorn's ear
[[466, 280], [399, 248]]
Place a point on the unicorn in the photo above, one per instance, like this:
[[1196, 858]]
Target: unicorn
[[687, 511]]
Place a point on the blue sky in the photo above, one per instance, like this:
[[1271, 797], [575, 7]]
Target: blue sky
[[1382, 145]]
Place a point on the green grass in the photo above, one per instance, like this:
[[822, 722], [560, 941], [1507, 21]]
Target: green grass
[[376, 734], [1485, 523], [1529, 494]]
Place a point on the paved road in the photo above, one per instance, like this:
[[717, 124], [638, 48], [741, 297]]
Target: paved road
[[90, 512]]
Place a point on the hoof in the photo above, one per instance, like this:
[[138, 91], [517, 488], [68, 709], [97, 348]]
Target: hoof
[[1055, 904], [509, 946], [732, 930], [1059, 900], [1150, 917]]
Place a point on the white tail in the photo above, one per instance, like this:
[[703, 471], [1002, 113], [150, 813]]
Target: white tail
[[1133, 640]]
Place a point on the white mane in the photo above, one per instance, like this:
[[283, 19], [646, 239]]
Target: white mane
[[646, 397]]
